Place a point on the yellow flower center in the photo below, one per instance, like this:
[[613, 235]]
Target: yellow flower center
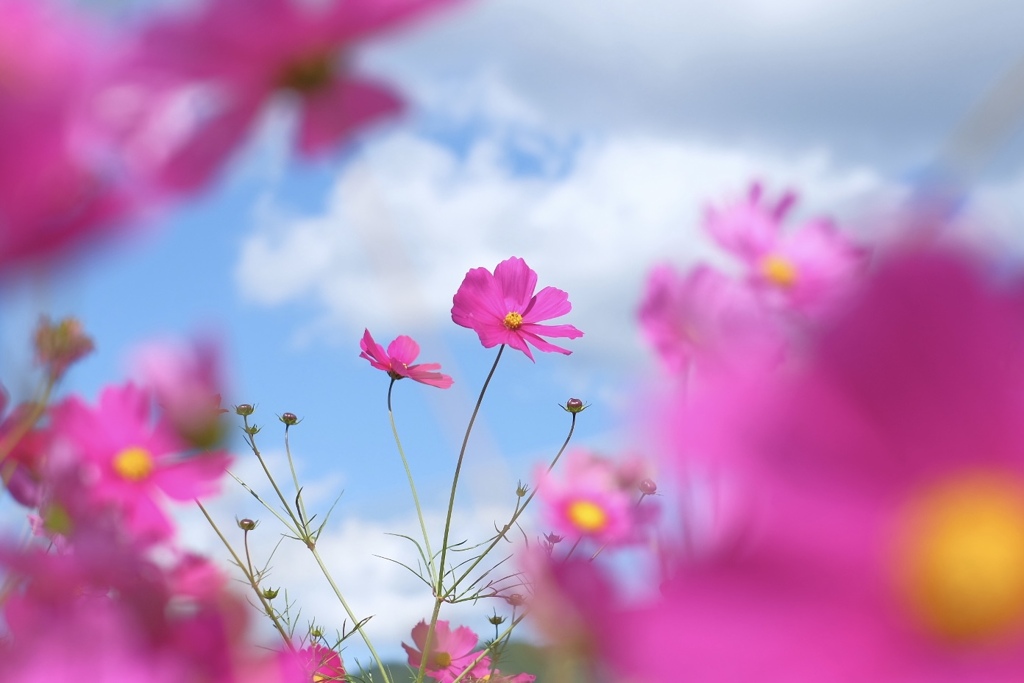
[[442, 660], [513, 321], [133, 463], [587, 516], [962, 558], [308, 75], [778, 270]]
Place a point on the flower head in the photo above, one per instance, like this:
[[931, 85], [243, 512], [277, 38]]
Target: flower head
[[450, 653], [503, 309], [397, 358], [323, 664]]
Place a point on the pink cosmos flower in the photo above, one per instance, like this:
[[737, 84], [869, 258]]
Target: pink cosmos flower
[[133, 463], [322, 664], [396, 361], [805, 269], [503, 309], [246, 51], [707, 317], [450, 654], [591, 499], [884, 483]]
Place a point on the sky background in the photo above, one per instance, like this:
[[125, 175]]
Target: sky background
[[585, 137]]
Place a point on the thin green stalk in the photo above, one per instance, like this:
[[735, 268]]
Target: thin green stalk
[[295, 478], [266, 470], [251, 577], [350, 613], [412, 487], [516, 516], [486, 650], [439, 594]]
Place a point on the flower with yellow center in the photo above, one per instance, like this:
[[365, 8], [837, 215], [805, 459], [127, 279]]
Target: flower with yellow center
[[779, 270], [133, 463], [587, 516], [961, 559], [513, 321]]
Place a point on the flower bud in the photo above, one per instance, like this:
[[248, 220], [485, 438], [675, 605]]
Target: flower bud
[[60, 345], [247, 524], [574, 405], [648, 487], [552, 538], [244, 409], [316, 633], [521, 490], [252, 430], [496, 620], [271, 593], [289, 419], [516, 599]]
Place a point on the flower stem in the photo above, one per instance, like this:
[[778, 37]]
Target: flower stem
[[412, 487], [439, 594]]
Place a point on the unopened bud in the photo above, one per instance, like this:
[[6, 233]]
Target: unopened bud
[[648, 487], [271, 593], [247, 524], [574, 405], [316, 633], [552, 538], [60, 345], [289, 419], [252, 430], [496, 620], [244, 409], [521, 490], [516, 599]]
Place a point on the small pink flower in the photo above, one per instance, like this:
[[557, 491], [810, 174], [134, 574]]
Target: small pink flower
[[503, 309], [395, 361], [322, 664], [803, 269], [133, 463], [450, 653], [589, 500]]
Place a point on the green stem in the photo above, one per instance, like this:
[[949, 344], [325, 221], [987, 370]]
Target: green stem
[[439, 593], [295, 479], [412, 487], [508, 527], [350, 613], [251, 577], [251, 438]]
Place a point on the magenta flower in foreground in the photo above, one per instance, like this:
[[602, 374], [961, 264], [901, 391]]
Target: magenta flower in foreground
[[397, 358], [450, 653], [503, 309], [883, 501]]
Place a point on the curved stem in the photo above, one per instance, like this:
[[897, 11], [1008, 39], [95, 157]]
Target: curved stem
[[439, 594], [412, 487], [351, 615]]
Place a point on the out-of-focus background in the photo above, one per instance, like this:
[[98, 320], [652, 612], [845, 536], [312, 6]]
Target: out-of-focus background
[[585, 137]]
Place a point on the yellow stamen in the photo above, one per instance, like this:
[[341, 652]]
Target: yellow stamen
[[308, 75], [513, 321], [778, 270], [133, 463], [962, 558], [442, 660], [589, 517]]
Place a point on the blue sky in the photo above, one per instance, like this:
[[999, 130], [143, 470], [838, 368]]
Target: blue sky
[[584, 137]]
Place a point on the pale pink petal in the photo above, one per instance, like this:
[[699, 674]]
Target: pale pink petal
[[344, 106], [194, 477]]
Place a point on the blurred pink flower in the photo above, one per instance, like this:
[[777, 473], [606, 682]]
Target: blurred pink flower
[[705, 316], [246, 51], [451, 652], [132, 462], [322, 664], [395, 361], [883, 477], [591, 499], [503, 309], [58, 180], [805, 269]]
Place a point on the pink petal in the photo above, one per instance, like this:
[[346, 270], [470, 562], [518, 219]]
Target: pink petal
[[195, 476], [517, 283], [549, 303], [426, 373], [479, 299], [357, 19], [541, 344], [404, 350], [374, 352], [566, 331], [340, 108]]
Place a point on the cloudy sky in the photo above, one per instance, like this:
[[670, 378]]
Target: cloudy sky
[[585, 137]]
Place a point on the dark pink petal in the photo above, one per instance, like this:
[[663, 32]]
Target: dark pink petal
[[478, 299], [426, 373], [549, 303], [541, 344], [517, 282], [404, 350], [341, 108], [374, 352]]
